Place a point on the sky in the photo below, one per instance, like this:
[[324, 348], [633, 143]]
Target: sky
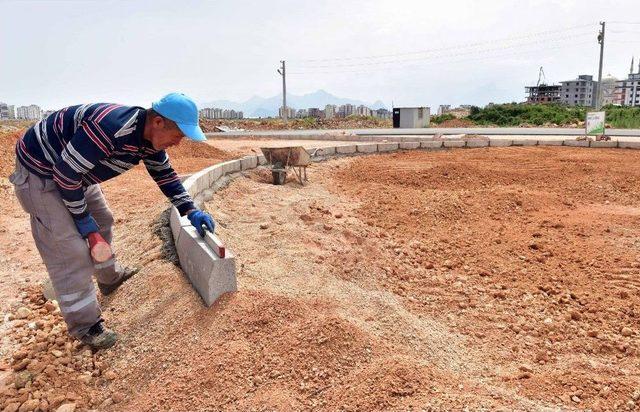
[[59, 53]]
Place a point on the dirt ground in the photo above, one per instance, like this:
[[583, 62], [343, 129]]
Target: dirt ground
[[503, 278], [500, 277], [351, 122]]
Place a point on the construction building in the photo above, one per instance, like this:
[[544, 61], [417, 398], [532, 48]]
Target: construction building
[[579, 92], [543, 93]]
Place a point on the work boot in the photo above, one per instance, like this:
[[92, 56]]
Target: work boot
[[124, 276], [99, 337]]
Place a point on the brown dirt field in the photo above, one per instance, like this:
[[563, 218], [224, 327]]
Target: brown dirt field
[[512, 274], [487, 279]]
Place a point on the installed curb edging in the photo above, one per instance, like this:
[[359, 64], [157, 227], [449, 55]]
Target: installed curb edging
[[213, 276]]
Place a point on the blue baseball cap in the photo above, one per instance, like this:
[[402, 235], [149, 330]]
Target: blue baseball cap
[[183, 111]]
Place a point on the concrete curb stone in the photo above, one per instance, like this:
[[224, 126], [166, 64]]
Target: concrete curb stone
[[409, 145], [454, 143], [387, 147]]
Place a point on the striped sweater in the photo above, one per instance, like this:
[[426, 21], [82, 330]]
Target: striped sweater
[[83, 145]]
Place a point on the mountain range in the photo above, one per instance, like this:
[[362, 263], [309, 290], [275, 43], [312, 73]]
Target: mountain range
[[268, 107]]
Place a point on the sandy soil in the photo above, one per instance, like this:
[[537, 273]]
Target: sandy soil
[[491, 278]]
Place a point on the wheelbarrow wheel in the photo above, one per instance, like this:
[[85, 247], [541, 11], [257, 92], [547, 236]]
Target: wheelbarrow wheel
[[279, 176]]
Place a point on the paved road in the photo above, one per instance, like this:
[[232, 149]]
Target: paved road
[[501, 131]]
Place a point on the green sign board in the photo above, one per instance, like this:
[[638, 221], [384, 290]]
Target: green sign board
[[595, 123]]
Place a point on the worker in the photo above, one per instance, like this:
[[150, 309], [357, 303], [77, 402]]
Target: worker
[[60, 162]]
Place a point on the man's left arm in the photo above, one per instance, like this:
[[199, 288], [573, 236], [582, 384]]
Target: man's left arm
[[167, 179]]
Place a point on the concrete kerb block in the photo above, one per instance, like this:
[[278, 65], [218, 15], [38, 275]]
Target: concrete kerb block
[[203, 181], [210, 275], [629, 145], [262, 160], [190, 185], [346, 149], [603, 144], [327, 151], [409, 145], [575, 143], [176, 222], [549, 142], [431, 144], [249, 162], [215, 172], [477, 143], [500, 142], [231, 166], [387, 147], [367, 148], [525, 142], [454, 143]]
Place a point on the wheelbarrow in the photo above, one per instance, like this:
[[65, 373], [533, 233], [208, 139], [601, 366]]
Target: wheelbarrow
[[284, 159]]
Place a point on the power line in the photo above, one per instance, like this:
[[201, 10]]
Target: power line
[[625, 32], [441, 56], [388, 62], [416, 66], [467, 45]]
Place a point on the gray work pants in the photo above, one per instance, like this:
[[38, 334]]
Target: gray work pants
[[64, 252]]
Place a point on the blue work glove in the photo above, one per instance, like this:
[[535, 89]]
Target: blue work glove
[[201, 221], [86, 225]]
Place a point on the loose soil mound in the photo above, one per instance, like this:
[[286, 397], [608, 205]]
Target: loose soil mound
[[456, 123], [7, 151]]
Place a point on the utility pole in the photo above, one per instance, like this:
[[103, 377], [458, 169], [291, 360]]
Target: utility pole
[[601, 41], [283, 73]]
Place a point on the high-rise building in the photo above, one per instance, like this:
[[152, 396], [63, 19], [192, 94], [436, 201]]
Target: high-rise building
[[4, 111], [579, 92], [363, 111], [31, 112], [607, 90], [291, 112], [330, 111], [215, 113], [443, 108], [382, 114], [627, 91], [314, 112], [346, 110]]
